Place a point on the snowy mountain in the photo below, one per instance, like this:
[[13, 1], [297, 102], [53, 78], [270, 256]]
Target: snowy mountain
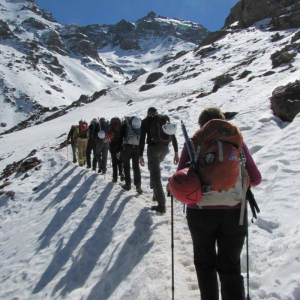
[[35, 47], [69, 233]]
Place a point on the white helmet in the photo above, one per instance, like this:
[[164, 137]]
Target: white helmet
[[169, 129], [101, 134], [136, 123]]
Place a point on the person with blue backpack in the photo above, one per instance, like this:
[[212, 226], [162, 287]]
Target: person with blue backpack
[[129, 149]]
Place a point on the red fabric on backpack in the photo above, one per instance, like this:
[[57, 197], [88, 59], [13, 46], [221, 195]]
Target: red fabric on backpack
[[218, 174]]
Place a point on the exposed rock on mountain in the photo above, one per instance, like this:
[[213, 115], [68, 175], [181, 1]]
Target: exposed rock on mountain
[[132, 35], [284, 13], [154, 77], [285, 101]]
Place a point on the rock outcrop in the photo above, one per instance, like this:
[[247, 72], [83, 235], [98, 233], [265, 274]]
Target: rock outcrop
[[284, 14], [285, 101]]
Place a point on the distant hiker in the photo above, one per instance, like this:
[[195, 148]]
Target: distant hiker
[[214, 222], [72, 139], [102, 146], [91, 144], [128, 149], [117, 166], [158, 148], [80, 134]]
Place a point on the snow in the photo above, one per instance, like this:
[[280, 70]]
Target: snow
[[70, 233]]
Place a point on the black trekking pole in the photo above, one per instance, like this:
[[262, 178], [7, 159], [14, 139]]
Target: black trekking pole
[[172, 245], [247, 254]]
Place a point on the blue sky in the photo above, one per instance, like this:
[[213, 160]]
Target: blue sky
[[210, 13]]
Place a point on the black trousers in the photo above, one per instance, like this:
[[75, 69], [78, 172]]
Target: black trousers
[[156, 155], [91, 147], [211, 228], [131, 152], [101, 155], [116, 163]]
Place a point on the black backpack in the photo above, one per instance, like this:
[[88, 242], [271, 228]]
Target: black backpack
[[157, 135]]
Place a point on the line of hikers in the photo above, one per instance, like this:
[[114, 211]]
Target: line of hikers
[[125, 140], [214, 175]]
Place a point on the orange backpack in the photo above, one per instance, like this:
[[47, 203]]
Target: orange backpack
[[221, 163]]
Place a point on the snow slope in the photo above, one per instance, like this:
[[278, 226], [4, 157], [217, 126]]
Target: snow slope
[[70, 233]]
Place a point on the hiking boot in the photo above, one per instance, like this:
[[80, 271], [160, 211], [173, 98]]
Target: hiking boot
[[88, 167], [74, 161], [114, 180], [139, 189], [99, 171], [126, 187], [159, 208]]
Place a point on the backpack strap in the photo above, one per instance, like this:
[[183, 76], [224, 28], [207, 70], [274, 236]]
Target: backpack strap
[[220, 146]]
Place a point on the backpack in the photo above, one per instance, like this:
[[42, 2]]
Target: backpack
[[115, 124], [82, 130], [104, 125], [93, 128], [221, 163], [133, 135], [157, 134]]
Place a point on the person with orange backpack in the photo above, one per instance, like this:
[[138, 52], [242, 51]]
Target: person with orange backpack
[[80, 134], [218, 216]]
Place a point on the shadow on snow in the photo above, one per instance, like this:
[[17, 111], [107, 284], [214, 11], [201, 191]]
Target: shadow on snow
[[91, 251], [63, 255], [63, 214], [135, 248]]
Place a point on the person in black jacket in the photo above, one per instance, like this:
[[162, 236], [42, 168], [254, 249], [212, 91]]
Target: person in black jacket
[[73, 141], [91, 144], [117, 166], [156, 153]]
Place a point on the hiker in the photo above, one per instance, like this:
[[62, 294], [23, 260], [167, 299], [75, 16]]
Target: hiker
[[102, 145], [73, 141], [115, 127], [80, 134], [218, 225], [128, 149], [156, 153], [91, 144]]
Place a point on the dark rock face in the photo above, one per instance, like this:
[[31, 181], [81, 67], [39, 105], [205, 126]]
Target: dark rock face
[[34, 23], [128, 35], [146, 87], [78, 42], [154, 77], [5, 32], [284, 13], [23, 165], [285, 101], [285, 56]]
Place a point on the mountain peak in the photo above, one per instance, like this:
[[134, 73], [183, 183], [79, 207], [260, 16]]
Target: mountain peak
[[151, 15]]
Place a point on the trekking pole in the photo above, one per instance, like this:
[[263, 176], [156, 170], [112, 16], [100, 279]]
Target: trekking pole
[[172, 246], [67, 151], [247, 255]]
